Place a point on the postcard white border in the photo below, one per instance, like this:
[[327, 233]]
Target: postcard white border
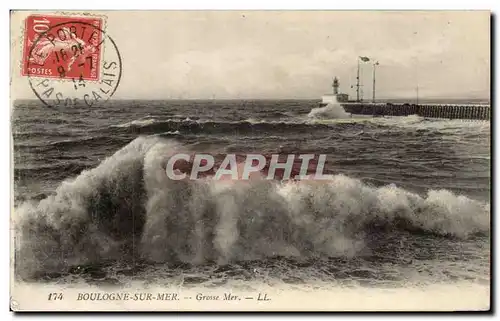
[[186, 4]]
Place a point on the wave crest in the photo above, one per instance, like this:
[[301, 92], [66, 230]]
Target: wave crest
[[128, 208]]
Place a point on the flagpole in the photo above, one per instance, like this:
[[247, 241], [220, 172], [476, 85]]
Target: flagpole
[[357, 84], [373, 92]]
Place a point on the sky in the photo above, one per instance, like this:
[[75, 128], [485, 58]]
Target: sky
[[292, 54]]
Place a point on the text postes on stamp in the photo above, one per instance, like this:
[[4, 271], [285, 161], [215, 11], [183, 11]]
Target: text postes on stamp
[[70, 60]]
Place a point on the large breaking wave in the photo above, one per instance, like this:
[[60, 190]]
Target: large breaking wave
[[127, 208]]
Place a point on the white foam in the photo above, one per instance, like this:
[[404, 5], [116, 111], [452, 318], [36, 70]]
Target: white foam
[[333, 110], [199, 220]]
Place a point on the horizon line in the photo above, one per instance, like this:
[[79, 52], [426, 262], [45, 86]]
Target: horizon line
[[281, 98]]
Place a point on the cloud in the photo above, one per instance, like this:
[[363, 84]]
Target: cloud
[[295, 54]]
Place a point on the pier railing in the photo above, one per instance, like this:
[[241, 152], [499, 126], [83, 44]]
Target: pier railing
[[448, 111]]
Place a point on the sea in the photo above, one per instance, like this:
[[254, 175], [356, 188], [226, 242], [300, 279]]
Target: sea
[[407, 205]]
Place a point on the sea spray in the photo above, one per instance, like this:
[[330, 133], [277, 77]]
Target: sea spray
[[333, 110], [92, 217], [127, 208]]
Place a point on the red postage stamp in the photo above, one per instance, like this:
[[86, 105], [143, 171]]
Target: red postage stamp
[[64, 47]]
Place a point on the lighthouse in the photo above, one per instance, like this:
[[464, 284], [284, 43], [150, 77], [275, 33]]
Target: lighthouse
[[335, 86], [339, 96]]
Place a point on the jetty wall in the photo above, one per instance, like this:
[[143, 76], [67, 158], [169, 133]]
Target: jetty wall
[[479, 112]]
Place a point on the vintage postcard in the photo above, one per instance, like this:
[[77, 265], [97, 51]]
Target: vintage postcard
[[250, 160]]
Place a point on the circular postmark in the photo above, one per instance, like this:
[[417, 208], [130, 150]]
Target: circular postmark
[[73, 63]]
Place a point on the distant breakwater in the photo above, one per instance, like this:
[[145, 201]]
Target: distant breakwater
[[446, 111]]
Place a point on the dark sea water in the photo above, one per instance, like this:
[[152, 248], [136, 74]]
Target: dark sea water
[[408, 203]]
